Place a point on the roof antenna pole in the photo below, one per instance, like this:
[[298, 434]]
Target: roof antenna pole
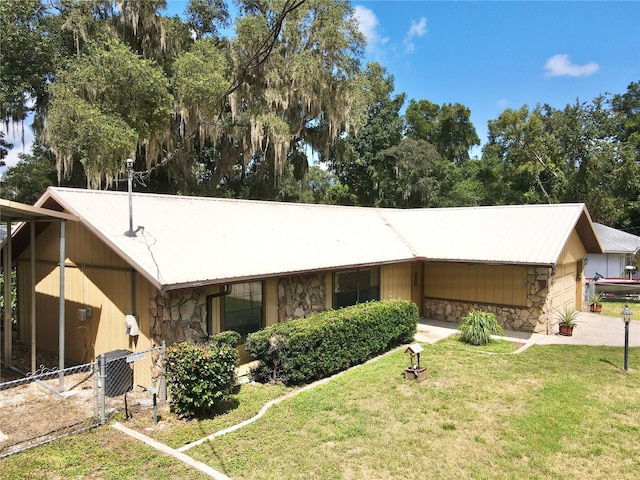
[[130, 233]]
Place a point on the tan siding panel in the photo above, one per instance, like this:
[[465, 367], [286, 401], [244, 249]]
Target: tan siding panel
[[573, 250], [95, 277], [270, 301], [395, 281], [504, 285]]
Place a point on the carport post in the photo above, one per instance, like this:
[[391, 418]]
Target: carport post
[[8, 326], [32, 240], [61, 309]]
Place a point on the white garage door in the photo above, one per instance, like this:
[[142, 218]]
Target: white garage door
[[564, 287]]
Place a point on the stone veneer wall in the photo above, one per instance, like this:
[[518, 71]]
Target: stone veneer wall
[[535, 317], [179, 316], [300, 296], [182, 315]]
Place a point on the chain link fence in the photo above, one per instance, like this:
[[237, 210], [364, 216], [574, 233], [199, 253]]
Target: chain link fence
[[34, 410], [52, 404], [121, 370]]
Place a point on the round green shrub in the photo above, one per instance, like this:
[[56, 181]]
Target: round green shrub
[[228, 337], [200, 377], [476, 327]]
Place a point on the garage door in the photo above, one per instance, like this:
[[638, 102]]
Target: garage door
[[564, 287]]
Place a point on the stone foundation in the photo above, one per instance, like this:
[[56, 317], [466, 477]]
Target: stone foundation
[[300, 296], [535, 317], [179, 316]]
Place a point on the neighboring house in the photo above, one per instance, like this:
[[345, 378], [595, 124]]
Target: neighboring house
[[196, 266], [618, 252]]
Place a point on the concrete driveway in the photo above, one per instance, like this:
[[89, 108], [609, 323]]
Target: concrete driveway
[[592, 329]]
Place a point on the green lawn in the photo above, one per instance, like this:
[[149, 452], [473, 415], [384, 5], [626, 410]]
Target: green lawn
[[553, 411], [614, 309]]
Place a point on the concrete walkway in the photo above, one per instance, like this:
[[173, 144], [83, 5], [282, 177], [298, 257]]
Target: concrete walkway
[[592, 329]]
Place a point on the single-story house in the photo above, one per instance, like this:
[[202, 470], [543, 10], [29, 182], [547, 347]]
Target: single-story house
[[617, 259], [188, 267]]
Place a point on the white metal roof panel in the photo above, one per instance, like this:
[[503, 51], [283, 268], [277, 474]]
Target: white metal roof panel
[[186, 241], [523, 234]]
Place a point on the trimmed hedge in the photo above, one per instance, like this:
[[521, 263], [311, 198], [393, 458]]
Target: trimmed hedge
[[306, 349], [200, 377]]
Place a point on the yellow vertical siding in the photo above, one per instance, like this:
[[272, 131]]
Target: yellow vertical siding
[[270, 292], [500, 284], [95, 278], [395, 281], [328, 288], [573, 250]]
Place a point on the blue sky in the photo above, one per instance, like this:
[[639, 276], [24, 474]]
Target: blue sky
[[490, 56]]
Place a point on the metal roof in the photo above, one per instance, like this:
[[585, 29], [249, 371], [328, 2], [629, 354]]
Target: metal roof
[[511, 234], [185, 241], [616, 241], [19, 212]]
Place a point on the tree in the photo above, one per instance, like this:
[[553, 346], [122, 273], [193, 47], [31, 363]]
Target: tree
[[105, 104], [405, 175], [447, 127], [204, 16], [527, 155], [26, 181], [294, 67], [353, 159], [26, 58], [4, 149]]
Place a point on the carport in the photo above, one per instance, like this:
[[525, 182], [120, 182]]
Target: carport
[[18, 215]]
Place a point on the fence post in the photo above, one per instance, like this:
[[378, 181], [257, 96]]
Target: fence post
[[96, 393], [103, 384], [163, 382]]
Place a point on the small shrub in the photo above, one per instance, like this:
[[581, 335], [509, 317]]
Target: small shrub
[[228, 337], [476, 327], [200, 376], [306, 349]]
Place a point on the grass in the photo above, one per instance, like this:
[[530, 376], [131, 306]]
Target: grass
[[176, 432], [102, 453], [556, 412], [614, 309], [479, 416]]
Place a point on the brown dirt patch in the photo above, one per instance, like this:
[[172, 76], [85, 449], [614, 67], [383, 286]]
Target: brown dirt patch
[[31, 408]]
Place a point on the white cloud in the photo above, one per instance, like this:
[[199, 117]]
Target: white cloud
[[416, 30], [368, 25], [502, 103], [560, 65]]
